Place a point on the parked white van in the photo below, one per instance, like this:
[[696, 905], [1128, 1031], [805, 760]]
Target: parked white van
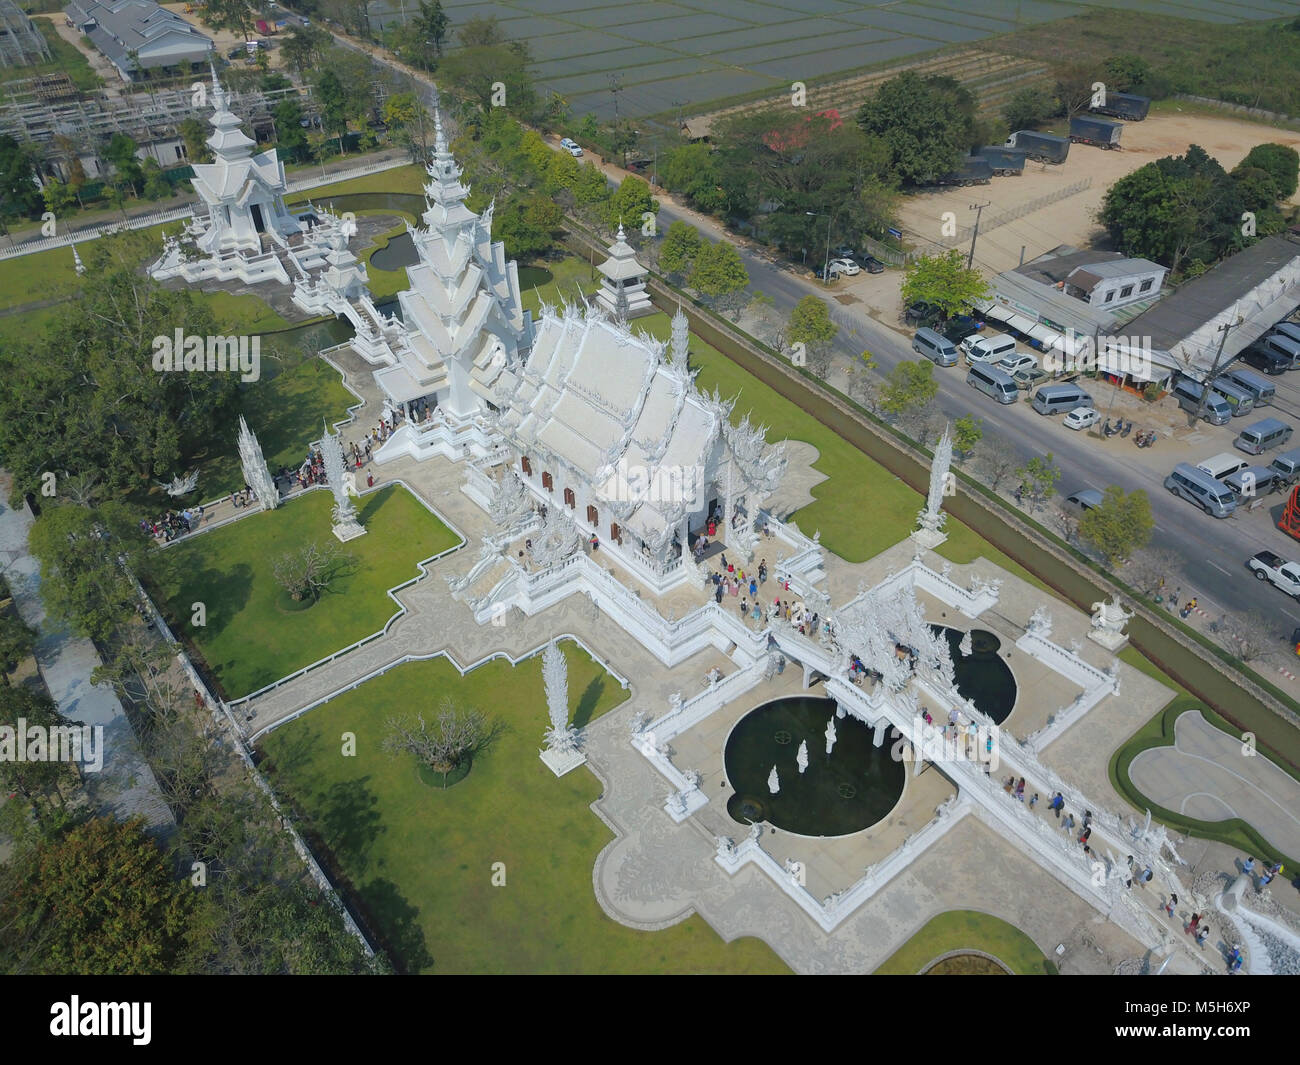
[[988, 349]]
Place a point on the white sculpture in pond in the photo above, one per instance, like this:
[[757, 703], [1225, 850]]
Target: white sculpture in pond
[[801, 759], [830, 735], [773, 781]]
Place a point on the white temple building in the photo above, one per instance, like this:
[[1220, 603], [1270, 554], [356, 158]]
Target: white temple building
[[623, 292], [462, 319], [243, 230]]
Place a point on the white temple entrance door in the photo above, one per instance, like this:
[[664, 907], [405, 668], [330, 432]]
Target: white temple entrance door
[[258, 224]]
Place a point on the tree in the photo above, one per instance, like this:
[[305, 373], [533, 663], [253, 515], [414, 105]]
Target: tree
[[308, 572], [1249, 636], [681, 244], [302, 48], [17, 639], [100, 899], [20, 193], [1026, 108], [291, 137], [630, 203], [863, 386], [334, 106], [121, 153], [1119, 526], [529, 225], [485, 65], [20, 708], [445, 743], [995, 462], [967, 431], [1074, 83], [909, 388], [481, 32], [59, 198], [1175, 210], [237, 16], [1150, 569], [88, 557], [1126, 73], [692, 171], [195, 134], [1038, 478], [590, 189], [719, 272], [85, 394], [811, 326], [429, 30], [405, 116], [1280, 162], [944, 281], [925, 124]]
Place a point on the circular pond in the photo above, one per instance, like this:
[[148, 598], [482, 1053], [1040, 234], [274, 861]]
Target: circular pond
[[850, 789], [982, 676]]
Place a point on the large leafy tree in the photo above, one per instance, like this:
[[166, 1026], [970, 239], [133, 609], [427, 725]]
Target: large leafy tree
[[99, 899], [291, 137], [20, 195], [429, 28], [810, 323], [1121, 525], [1280, 162], [1176, 210], [485, 59], [30, 779], [88, 556], [693, 171], [334, 104], [529, 225], [925, 124], [1026, 108], [943, 280], [302, 48], [909, 389], [86, 397], [801, 175], [681, 244], [719, 272], [630, 203]]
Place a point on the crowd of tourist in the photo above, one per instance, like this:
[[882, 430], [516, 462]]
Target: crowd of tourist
[[173, 523]]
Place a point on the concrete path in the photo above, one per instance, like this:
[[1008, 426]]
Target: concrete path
[[1207, 775], [126, 786]]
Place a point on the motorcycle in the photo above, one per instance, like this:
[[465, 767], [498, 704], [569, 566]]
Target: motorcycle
[[1145, 437], [1127, 429], [1106, 430]]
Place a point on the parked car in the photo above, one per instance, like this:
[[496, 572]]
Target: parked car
[[960, 326], [1018, 361], [571, 147], [846, 266], [1084, 499], [872, 265], [1082, 417], [1028, 379], [1277, 571], [922, 313], [844, 253]]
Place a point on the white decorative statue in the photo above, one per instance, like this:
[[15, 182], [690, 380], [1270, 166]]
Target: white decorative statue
[[1108, 621]]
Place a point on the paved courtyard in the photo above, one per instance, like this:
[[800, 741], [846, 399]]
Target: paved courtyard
[[1208, 775]]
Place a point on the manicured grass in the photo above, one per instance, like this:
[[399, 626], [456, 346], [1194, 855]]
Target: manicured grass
[[420, 860], [28, 327], [385, 284], [968, 930], [853, 478], [286, 410], [1159, 732], [250, 639], [408, 179], [554, 282], [42, 275], [243, 314]]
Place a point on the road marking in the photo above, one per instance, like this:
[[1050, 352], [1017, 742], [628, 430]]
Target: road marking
[[1215, 565]]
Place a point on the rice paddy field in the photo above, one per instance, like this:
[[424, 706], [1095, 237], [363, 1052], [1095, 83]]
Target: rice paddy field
[[684, 55]]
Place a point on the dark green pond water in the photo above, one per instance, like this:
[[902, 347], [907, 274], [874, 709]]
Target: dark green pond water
[[847, 791], [982, 676]]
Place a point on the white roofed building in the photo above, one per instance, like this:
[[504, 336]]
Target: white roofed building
[[623, 292]]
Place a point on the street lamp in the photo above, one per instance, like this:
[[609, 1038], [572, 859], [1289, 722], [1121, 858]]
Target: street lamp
[[830, 221]]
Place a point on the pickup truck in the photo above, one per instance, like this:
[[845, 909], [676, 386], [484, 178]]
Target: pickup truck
[[1281, 573]]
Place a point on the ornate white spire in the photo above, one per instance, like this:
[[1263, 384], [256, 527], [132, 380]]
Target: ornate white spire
[[256, 475], [344, 514], [555, 675]]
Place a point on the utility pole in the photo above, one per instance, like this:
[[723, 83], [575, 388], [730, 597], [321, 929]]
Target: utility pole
[[1223, 330], [978, 208]]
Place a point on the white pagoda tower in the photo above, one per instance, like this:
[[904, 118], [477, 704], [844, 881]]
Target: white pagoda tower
[[463, 322], [623, 292]]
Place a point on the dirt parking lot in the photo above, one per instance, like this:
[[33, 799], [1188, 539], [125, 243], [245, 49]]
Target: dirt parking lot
[[1072, 220]]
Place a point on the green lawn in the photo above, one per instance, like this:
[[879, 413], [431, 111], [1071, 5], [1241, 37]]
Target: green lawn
[[243, 314], [252, 637], [968, 930], [385, 284], [420, 860], [286, 410], [410, 179], [560, 280]]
